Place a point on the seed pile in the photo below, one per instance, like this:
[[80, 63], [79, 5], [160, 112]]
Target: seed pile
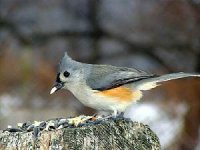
[[53, 124]]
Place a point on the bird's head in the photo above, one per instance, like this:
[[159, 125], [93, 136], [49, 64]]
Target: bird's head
[[69, 73]]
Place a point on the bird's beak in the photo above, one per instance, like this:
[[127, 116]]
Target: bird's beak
[[56, 87]]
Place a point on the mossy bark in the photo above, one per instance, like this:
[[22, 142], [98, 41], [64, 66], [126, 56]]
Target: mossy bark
[[117, 134]]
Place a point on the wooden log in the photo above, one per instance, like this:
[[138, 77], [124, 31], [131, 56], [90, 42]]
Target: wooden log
[[112, 134]]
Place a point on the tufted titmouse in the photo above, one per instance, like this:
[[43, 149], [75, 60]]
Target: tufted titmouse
[[106, 87]]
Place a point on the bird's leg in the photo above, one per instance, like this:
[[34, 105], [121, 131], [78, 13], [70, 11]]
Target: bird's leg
[[115, 113], [112, 115], [121, 115]]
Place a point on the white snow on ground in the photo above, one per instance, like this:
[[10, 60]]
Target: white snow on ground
[[167, 128], [7, 102]]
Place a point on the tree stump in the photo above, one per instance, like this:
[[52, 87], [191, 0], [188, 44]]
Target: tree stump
[[111, 134]]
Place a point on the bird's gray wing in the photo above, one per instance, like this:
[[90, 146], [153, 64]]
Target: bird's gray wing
[[101, 77]]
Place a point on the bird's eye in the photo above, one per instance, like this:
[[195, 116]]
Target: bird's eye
[[66, 74]]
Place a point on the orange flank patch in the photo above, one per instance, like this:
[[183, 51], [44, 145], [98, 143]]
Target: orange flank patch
[[121, 93]]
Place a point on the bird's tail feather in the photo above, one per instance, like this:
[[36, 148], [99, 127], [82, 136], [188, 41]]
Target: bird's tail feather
[[150, 83]]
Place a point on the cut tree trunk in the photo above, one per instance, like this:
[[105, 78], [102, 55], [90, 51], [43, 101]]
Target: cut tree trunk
[[110, 134]]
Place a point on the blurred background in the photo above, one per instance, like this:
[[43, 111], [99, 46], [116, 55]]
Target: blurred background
[[159, 37]]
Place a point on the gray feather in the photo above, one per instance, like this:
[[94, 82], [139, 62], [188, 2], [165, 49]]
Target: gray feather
[[104, 77], [67, 63], [147, 84]]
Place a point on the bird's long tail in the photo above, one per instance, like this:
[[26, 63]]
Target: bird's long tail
[[150, 83]]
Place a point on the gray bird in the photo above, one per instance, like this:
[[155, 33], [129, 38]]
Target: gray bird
[[106, 87]]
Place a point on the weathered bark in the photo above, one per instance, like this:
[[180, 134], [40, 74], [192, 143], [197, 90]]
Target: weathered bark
[[108, 135]]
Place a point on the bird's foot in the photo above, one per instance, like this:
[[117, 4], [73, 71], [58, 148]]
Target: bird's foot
[[120, 115], [114, 116]]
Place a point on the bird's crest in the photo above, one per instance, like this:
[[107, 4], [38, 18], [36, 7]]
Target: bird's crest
[[65, 62]]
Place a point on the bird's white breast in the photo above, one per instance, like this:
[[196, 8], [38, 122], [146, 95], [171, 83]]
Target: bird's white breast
[[93, 99]]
